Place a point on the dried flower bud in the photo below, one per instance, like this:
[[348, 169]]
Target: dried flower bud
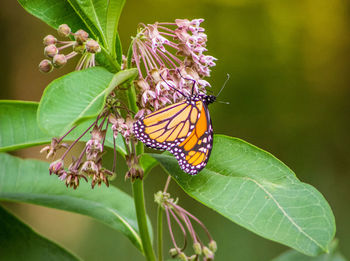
[[79, 47], [64, 30], [173, 252], [50, 50], [197, 248], [212, 246], [208, 253], [81, 36], [59, 60], [49, 39], [45, 66], [92, 46]]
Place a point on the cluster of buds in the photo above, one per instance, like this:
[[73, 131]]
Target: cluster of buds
[[184, 220], [81, 44], [83, 167], [170, 56]]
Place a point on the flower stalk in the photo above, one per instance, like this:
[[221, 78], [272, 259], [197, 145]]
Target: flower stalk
[[137, 187]]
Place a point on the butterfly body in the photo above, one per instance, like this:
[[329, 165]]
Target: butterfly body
[[183, 128]]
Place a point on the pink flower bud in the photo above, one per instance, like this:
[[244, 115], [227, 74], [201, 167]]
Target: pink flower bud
[[45, 66], [92, 46], [81, 36], [49, 39], [50, 50], [64, 30], [59, 60]]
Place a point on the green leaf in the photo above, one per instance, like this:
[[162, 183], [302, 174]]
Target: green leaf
[[28, 181], [104, 59], [54, 13], [93, 13], [333, 255], [257, 191], [114, 10], [77, 97], [102, 18], [19, 242], [118, 49], [19, 128]]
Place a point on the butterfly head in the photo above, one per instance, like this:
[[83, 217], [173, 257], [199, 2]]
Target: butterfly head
[[209, 99]]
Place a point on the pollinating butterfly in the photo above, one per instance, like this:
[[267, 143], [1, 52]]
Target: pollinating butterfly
[[183, 128]]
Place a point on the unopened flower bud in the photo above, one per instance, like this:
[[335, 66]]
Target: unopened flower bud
[[49, 39], [45, 66], [208, 253], [155, 75], [64, 30], [81, 36], [182, 256], [92, 46], [59, 60], [173, 252], [50, 50], [192, 258], [197, 248], [212, 246]]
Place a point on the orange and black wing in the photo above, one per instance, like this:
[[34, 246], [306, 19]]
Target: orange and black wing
[[168, 127], [194, 151]]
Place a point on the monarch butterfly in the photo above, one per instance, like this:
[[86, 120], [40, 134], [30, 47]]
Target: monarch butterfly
[[183, 128]]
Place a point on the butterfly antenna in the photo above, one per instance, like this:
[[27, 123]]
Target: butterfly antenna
[[228, 77], [223, 102], [188, 79], [172, 86]]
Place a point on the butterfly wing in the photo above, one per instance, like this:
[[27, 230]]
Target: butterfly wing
[[168, 127], [194, 151]]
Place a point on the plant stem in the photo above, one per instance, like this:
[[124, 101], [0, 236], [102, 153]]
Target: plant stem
[[160, 233], [137, 187], [142, 220]]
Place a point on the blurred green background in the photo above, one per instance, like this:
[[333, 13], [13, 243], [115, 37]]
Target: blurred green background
[[289, 94]]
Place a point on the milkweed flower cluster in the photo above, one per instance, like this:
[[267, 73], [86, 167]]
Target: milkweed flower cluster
[[81, 44], [184, 220], [170, 56]]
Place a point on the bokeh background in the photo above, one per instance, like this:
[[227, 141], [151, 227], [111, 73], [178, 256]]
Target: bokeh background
[[289, 94]]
